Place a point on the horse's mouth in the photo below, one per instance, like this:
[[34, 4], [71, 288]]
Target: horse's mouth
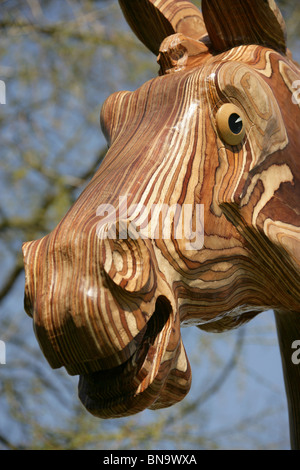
[[150, 370], [139, 382]]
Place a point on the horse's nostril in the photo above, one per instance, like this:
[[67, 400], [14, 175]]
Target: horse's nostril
[[159, 318]]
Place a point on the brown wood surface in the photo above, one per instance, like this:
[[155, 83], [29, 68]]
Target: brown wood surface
[[153, 20], [288, 327], [233, 22], [109, 307]]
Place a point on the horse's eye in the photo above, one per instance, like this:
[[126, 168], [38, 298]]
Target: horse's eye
[[230, 124]]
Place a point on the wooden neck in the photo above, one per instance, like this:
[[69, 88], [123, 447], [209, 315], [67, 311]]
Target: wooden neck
[[288, 330]]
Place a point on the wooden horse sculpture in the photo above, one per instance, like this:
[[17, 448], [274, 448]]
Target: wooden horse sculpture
[[192, 218]]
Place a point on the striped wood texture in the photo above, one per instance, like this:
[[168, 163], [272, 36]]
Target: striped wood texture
[[109, 308]]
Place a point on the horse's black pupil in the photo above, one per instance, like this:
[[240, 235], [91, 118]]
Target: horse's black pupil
[[235, 123]]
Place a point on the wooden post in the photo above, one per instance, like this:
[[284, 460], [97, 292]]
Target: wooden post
[[288, 330]]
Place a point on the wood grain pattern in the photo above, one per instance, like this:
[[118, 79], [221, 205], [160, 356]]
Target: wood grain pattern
[[178, 226], [288, 329], [154, 20], [244, 22]]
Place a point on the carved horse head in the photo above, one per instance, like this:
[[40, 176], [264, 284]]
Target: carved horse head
[[192, 218]]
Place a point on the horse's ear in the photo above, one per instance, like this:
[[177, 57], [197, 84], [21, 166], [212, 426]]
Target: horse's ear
[[231, 23], [154, 20]]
